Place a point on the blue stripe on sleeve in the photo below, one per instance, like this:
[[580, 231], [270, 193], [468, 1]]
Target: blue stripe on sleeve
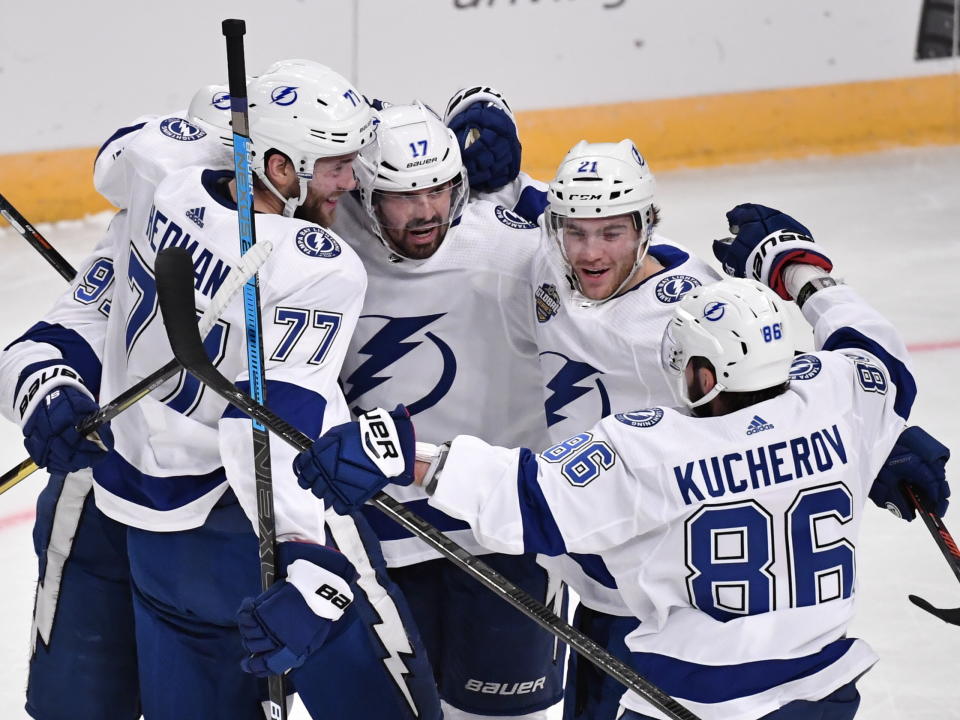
[[846, 338], [122, 479], [540, 531], [296, 405], [720, 683], [386, 529], [595, 569], [72, 347], [116, 136], [531, 203]]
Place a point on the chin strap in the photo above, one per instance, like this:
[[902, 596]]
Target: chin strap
[[290, 205]]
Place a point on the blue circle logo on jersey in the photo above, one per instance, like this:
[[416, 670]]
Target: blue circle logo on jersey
[[180, 129], [317, 242], [641, 418], [221, 100], [511, 219], [714, 311], [805, 367], [673, 288], [284, 95]]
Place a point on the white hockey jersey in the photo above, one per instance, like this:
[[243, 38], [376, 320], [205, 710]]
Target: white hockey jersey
[[177, 449], [451, 338], [599, 359], [732, 538], [524, 195]]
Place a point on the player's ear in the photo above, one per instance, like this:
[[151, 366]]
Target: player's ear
[[705, 379], [280, 170]]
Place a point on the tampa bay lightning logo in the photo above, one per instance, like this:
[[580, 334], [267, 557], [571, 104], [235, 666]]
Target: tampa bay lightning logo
[[393, 341], [714, 311], [564, 388], [641, 418], [512, 219], [180, 129], [805, 367], [317, 242], [221, 100], [638, 157], [284, 95], [674, 287]]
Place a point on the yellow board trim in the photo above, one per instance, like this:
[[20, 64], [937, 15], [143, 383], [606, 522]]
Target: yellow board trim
[[684, 132]]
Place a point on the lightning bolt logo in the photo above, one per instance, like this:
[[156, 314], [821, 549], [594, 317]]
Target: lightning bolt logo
[[565, 388], [390, 344], [284, 95]]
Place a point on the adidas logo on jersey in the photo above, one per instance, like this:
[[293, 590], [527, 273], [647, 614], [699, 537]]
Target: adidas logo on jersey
[[758, 424], [196, 215]]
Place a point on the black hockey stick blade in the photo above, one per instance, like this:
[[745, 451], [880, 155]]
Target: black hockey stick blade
[[951, 616], [174, 272]]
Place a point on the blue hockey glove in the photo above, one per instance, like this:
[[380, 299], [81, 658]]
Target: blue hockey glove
[[350, 463], [49, 430], [766, 241], [917, 459], [486, 131], [282, 626]]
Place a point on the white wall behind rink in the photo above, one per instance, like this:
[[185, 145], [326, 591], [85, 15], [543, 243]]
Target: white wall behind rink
[[70, 73]]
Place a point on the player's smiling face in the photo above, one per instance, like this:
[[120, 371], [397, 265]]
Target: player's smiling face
[[332, 177], [601, 252], [415, 222]]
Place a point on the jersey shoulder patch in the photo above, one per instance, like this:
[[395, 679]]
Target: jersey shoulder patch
[[315, 241], [672, 288], [805, 367], [180, 129], [641, 418], [511, 219], [547, 301]]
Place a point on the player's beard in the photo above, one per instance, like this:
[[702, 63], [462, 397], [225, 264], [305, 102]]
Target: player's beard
[[314, 209], [402, 240]]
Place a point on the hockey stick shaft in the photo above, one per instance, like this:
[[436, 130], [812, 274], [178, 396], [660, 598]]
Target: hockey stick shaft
[[30, 234], [173, 287], [233, 31], [938, 531], [234, 281]]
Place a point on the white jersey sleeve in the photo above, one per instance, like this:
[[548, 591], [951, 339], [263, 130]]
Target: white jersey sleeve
[[70, 336], [524, 196]]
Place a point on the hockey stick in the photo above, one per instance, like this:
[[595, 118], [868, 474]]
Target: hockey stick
[[233, 31], [948, 547], [30, 234], [236, 279], [174, 285]]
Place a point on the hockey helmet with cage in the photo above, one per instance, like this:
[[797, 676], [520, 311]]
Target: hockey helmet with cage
[[600, 180], [306, 112], [740, 326], [414, 151], [210, 108]]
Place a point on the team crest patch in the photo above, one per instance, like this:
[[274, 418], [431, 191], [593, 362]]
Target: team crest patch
[[641, 418], [180, 129], [672, 289], [512, 219], [805, 367], [317, 242], [548, 302]]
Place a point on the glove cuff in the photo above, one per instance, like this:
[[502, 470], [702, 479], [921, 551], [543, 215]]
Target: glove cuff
[[41, 383], [327, 594]]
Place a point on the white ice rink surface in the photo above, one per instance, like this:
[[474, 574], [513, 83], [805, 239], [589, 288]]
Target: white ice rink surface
[[891, 222]]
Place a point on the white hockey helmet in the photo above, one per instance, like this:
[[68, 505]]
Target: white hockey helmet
[[306, 112], [414, 151], [740, 326], [598, 180], [210, 108]]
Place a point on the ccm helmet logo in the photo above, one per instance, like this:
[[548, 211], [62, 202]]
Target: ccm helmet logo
[[770, 242], [584, 196]]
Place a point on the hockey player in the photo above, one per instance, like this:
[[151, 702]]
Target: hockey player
[[82, 552], [736, 552], [446, 329]]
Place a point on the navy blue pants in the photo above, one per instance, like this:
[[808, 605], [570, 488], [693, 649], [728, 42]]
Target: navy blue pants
[[488, 658], [841, 704], [84, 661], [188, 586]]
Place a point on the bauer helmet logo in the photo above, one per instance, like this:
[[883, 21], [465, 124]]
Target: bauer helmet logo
[[714, 311], [221, 100], [284, 95]]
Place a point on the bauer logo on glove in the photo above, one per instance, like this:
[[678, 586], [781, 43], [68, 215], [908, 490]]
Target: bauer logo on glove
[[380, 441]]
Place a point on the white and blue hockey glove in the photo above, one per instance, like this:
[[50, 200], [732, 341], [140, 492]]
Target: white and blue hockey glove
[[487, 135], [918, 459], [766, 241], [350, 463], [52, 402], [282, 627]]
